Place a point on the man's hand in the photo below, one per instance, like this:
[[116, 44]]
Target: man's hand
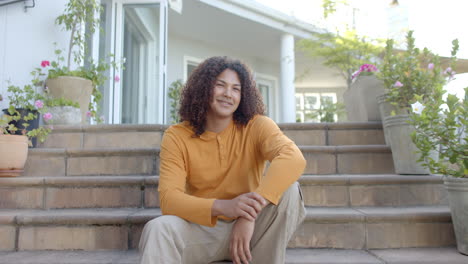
[[239, 246], [247, 205]]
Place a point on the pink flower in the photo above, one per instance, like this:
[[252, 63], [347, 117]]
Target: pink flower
[[430, 66], [88, 114], [47, 116], [398, 84], [355, 74], [45, 63], [117, 78], [101, 119], [39, 104], [368, 68]]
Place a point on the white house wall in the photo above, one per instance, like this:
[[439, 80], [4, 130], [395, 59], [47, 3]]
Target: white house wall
[[178, 47], [26, 38]]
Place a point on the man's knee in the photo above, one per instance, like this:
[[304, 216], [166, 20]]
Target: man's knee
[[165, 224], [291, 198]]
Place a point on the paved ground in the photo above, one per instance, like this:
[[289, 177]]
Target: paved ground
[[295, 256]]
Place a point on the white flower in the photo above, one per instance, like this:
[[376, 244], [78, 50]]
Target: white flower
[[417, 108]]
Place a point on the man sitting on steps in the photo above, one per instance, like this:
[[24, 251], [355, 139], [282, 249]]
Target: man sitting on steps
[[216, 203]]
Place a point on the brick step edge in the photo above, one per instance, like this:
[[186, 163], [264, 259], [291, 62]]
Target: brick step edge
[[113, 180], [108, 216], [293, 256], [158, 128]]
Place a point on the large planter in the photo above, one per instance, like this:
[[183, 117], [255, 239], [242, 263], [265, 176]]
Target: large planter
[[32, 124], [64, 115], [405, 158], [361, 99], [13, 155], [72, 88], [458, 199], [385, 110]]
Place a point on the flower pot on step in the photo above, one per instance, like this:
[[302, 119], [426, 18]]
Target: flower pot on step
[[385, 110], [13, 155], [458, 199], [64, 115], [405, 158], [72, 88], [361, 99], [32, 124]]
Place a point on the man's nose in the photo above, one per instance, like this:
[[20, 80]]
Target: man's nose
[[228, 92]]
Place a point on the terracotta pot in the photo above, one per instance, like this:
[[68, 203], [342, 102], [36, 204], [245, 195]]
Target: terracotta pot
[[72, 88], [13, 155]]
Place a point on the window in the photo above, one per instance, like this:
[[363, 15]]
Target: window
[[190, 63], [307, 105]]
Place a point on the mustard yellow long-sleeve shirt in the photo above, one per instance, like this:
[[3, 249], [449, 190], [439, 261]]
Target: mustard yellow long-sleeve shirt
[[195, 171]]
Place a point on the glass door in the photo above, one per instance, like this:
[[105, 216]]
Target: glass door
[[137, 34]]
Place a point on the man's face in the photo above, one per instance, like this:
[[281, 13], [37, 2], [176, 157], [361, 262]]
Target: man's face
[[226, 95]]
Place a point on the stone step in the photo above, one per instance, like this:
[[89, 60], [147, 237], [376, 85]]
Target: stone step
[[356, 159], [120, 229], [293, 256], [141, 136], [141, 191]]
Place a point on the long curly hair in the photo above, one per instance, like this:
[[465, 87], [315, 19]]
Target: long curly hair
[[198, 93]]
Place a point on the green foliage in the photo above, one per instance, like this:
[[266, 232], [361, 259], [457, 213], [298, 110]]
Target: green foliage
[[345, 53], [53, 102], [329, 6], [78, 15], [175, 90], [443, 131], [411, 69], [327, 111], [23, 99]]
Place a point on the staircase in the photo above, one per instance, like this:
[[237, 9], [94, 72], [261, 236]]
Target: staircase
[[88, 191]]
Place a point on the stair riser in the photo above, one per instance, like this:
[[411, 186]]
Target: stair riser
[[318, 137], [374, 195], [54, 197], [373, 235], [103, 140], [317, 163], [42, 165], [83, 197], [348, 163], [348, 235]]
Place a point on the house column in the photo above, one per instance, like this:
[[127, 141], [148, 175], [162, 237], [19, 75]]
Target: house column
[[287, 89]]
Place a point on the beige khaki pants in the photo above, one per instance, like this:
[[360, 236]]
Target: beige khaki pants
[[172, 240]]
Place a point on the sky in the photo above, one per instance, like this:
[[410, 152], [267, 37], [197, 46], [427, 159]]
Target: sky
[[435, 23]]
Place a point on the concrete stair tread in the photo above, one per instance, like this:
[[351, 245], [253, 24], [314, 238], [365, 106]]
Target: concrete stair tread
[[293, 256], [157, 127], [111, 216], [306, 179], [114, 150]]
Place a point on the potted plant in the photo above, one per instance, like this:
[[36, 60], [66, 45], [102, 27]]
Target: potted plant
[[406, 74], [25, 108], [346, 53], [361, 98], [175, 89], [64, 112], [441, 125], [18, 126], [82, 83]]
